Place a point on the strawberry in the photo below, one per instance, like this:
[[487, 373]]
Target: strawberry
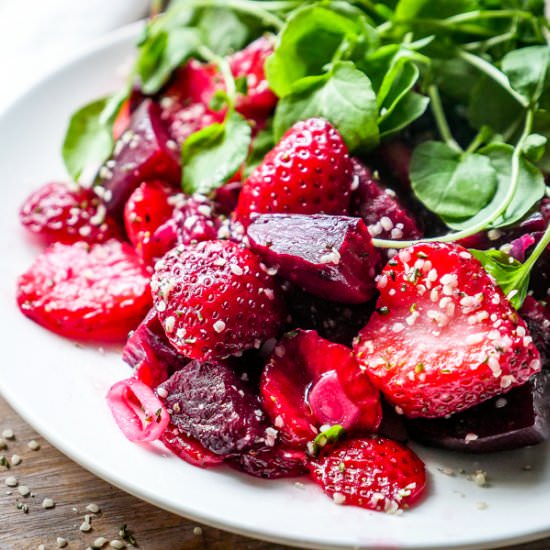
[[443, 337], [309, 382], [308, 172], [374, 473], [60, 212], [148, 207], [97, 292], [215, 299], [259, 101]]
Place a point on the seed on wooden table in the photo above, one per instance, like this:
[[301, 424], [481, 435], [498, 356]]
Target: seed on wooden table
[[100, 542], [61, 542], [3, 444], [197, 531], [11, 481], [118, 544], [48, 503], [93, 508], [33, 445], [85, 526], [8, 434], [24, 491], [16, 460]]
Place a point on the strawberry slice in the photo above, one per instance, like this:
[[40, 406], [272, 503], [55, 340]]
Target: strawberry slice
[[443, 337], [308, 172], [97, 292], [309, 382], [148, 207], [374, 473], [61, 212]]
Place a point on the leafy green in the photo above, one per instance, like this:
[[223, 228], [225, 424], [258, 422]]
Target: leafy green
[[411, 107], [343, 96], [530, 187], [309, 41], [453, 185], [510, 275], [211, 156], [407, 10], [527, 70], [161, 53], [89, 137]]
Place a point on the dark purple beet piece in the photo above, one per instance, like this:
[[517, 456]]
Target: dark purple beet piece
[[272, 463], [336, 322], [516, 419], [537, 317], [150, 337], [142, 152], [392, 425], [210, 403], [380, 208], [329, 256], [396, 156]]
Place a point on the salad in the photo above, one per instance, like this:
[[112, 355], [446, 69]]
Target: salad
[[321, 230]]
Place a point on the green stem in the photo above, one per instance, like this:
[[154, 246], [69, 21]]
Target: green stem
[[539, 249], [487, 14], [477, 141], [484, 223], [225, 71], [440, 119], [493, 73]]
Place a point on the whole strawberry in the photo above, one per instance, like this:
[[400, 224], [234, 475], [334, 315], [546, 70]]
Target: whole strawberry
[[374, 473], [443, 336], [214, 299], [308, 172], [60, 212]]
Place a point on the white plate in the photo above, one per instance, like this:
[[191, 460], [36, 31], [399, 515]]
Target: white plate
[[59, 388]]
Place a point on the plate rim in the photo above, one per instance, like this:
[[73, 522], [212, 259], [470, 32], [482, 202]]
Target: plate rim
[[110, 40]]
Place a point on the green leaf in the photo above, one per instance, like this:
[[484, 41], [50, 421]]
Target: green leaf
[[308, 42], [344, 97], [535, 147], [510, 275], [527, 70], [411, 107], [89, 137], [161, 53], [224, 31], [453, 185], [211, 156], [530, 190], [491, 105], [261, 145], [327, 437]]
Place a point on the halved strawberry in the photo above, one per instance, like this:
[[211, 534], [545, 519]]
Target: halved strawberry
[[97, 292], [374, 473], [309, 382], [443, 337], [67, 213]]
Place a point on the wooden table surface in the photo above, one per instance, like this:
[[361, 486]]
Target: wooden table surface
[[49, 474]]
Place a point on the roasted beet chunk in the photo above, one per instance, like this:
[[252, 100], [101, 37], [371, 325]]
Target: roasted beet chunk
[[380, 208], [143, 152], [211, 404], [517, 419], [149, 352], [329, 256], [336, 322], [272, 463]]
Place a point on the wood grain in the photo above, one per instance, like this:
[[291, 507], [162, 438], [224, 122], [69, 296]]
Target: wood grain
[[50, 474]]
